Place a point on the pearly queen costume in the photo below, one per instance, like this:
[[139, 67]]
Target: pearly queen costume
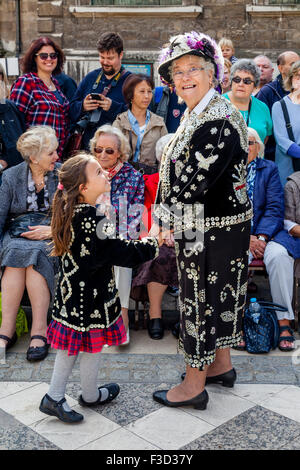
[[202, 197]]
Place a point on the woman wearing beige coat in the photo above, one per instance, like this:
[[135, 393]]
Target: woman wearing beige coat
[[141, 127]]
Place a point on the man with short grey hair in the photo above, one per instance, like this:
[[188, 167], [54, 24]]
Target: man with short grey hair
[[274, 91], [266, 71]]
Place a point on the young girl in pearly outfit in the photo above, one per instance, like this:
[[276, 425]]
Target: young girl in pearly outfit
[[86, 312]]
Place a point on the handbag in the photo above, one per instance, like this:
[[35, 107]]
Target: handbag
[[19, 223], [261, 329], [296, 161]]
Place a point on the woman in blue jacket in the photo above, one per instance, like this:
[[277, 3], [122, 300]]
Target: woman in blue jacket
[[266, 194]]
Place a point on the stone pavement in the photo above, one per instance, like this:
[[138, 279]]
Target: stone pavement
[[261, 412]]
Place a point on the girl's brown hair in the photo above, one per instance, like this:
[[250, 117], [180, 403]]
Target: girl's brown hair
[[71, 175]]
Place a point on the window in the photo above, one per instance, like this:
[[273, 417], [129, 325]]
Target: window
[[136, 2]]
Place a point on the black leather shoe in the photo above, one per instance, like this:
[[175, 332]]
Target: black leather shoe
[[199, 401], [227, 379], [156, 328], [37, 353], [176, 330], [55, 408], [113, 389], [10, 341]]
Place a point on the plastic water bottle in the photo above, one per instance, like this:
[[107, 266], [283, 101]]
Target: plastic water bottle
[[255, 309]]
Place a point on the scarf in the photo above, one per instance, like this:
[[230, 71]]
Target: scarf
[[103, 204]]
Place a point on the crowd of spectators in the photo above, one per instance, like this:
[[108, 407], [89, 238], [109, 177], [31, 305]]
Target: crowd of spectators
[[127, 123]]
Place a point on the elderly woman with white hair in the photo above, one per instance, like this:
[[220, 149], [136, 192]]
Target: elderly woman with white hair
[[110, 147], [26, 195], [244, 78], [266, 194], [202, 200]]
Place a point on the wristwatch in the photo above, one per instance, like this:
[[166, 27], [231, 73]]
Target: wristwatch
[[262, 238], [1, 168]]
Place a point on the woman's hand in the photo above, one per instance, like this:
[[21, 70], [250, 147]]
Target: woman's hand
[[257, 247], [38, 232]]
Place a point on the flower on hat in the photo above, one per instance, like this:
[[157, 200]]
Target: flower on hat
[[188, 43]]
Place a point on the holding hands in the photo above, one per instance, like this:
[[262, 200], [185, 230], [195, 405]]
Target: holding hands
[[163, 236]]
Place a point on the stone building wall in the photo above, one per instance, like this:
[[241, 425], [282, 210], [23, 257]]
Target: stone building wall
[[253, 32]]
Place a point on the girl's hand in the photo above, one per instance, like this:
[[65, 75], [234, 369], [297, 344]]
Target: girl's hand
[[38, 232]]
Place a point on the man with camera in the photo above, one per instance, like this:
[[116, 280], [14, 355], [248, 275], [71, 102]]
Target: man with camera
[[98, 99]]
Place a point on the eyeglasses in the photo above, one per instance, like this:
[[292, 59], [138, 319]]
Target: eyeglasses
[[252, 142], [109, 150], [246, 81], [45, 55], [192, 72]]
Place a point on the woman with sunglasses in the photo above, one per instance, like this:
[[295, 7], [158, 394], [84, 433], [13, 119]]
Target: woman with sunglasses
[[244, 77], [37, 93], [110, 147]]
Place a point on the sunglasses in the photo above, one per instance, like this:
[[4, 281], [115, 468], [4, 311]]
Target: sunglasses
[[252, 142], [109, 150], [45, 55], [246, 81]]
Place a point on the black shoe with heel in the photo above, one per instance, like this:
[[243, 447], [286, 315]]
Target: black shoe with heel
[[156, 328], [199, 402], [227, 379]]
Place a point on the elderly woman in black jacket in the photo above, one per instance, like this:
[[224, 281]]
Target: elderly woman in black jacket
[[28, 188]]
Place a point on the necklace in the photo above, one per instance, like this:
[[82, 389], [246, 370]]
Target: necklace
[[39, 184], [49, 85]]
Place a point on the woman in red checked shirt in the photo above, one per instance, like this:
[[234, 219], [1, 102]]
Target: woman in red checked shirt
[[37, 93]]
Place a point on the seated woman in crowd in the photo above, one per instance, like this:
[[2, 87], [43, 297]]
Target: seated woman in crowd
[[141, 127], [266, 194], [244, 77], [287, 155], [37, 93], [110, 148], [28, 188], [156, 275]]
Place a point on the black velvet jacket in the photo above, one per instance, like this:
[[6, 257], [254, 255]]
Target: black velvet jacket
[[86, 295], [205, 164]]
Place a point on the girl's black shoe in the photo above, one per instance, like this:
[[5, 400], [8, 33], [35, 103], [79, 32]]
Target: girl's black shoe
[[199, 401], [227, 379], [55, 408], [113, 390]]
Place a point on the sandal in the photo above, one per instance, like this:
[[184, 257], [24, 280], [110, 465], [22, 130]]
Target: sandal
[[289, 339], [10, 341]]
